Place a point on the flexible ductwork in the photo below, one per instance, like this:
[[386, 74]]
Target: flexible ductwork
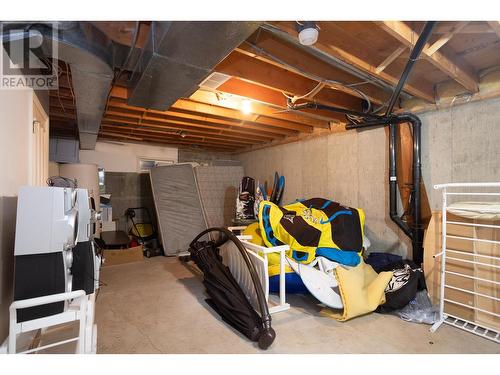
[[89, 54], [179, 56]]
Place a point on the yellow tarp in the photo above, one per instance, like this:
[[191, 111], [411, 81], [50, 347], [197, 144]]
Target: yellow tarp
[[361, 289]]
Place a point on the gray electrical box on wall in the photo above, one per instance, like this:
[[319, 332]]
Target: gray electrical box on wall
[[64, 150]]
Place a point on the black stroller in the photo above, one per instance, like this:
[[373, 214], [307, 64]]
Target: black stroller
[[144, 231]]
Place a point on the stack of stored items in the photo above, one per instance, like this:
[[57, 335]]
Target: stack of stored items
[[326, 242], [251, 194]]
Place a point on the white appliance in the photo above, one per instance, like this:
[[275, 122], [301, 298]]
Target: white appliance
[[56, 265], [47, 220]]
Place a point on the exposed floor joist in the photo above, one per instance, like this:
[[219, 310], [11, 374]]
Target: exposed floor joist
[[359, 63], [272, 63], [451, 65]]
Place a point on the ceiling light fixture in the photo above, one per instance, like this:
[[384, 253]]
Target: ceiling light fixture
[[308, 32], [246, 106]]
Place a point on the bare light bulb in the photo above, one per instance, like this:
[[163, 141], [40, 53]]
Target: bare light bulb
[[246, 106]]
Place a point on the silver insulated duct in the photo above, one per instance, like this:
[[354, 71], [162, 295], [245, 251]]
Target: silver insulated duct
[[89, 54], [179, 56]]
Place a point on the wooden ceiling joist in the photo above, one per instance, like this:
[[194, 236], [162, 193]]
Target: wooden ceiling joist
[[119, 138], [147, 121], [189, 130], [245, 67], [223, 113], [425, 93], [146, 129], [177, 139], [451, 65], [445, 38], [271, 64], [213, 98], [471, 28], [204, 121], [216, 111], [243, 88], [393, 56], [269, 49]]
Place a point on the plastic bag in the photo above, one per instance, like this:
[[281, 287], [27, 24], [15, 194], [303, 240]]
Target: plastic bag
[[419, 309]]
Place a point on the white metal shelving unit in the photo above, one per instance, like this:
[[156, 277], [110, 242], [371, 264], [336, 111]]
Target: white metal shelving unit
[[476, 259]]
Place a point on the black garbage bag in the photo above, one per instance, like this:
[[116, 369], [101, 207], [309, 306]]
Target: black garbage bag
[[226, 296]]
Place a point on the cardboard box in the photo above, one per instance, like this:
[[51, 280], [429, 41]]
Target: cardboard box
[[114, 257]]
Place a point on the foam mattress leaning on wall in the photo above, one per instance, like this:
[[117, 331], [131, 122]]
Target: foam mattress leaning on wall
[[178, 206], [218, 186]]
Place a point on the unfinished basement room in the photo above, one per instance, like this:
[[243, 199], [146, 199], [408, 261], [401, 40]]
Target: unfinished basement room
[[223, 185]]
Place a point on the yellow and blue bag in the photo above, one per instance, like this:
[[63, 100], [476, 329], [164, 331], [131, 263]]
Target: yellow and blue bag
[[314, 227]]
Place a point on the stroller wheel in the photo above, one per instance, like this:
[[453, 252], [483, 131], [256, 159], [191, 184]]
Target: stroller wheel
[[266, 338], [147, 253]]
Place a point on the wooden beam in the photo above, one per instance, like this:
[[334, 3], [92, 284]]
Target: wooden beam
[[273, 50], [421, 91], [495, 26], [222, 113], [119, 138], [179, 140], [102, 132], [393, 56], [205, 121], [254, 70], [240, 87], [445, 38], [229, 101], [474, 27], [183, 104], [458, 70], [188, 135], [175, 138], [165, 126]]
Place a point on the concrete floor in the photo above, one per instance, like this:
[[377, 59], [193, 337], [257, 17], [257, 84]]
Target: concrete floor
[[157, 306]]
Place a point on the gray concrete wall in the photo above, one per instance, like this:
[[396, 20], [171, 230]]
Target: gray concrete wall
[[459, 144], [207, 157], [129, 190]]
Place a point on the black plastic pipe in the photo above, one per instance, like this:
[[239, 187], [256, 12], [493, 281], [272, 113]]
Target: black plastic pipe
[[311, 105], [415, 53]]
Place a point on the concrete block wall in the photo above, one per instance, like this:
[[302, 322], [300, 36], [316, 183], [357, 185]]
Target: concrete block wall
[[459, 144], [206, 157]]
